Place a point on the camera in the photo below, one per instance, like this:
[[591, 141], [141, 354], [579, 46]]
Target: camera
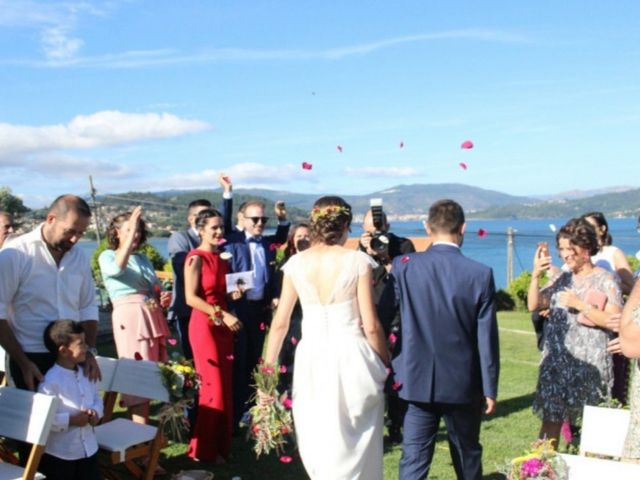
[[379, 239]]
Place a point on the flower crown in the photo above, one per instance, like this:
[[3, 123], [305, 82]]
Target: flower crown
[[331, 210]]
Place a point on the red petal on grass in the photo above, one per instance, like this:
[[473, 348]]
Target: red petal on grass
[[294, 340], [463, 165], [137, 356], [339, 148], [283, 369], [482, 233], [306, 166], [392, 338], [404, 259], [467, 145], [172, 341], [286, 459], [396, 385]]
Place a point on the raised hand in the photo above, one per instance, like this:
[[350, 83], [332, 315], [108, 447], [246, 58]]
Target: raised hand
[[280, 210], [225, 182]]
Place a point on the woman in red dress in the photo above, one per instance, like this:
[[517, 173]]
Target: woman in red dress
[[211, 330]]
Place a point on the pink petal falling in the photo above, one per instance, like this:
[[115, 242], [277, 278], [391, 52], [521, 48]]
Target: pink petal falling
[[306, 166], [401, 144], [339, 148], [263, 326], [286, 459], [137, 356], [463, 165], [392, 338], [294, 341], [396, 385], [274, 246], [283, 369], [404, 259], [565, 431], [467, 145], [229, 357], [482, 233], [172, 341], [287, 403]]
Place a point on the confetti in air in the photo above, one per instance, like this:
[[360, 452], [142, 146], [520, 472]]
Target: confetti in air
[[463, 165], [467, 145], [339, 148], [306, 166]]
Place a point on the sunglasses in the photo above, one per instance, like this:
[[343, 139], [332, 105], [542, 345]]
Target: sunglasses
[[262, 220]]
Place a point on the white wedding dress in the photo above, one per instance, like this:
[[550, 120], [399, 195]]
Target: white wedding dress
[[338, 379]]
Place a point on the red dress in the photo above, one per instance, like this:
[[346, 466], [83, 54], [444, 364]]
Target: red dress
[[212, 347]]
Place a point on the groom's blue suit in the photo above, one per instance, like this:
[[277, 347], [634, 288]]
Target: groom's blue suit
[[448, 358]]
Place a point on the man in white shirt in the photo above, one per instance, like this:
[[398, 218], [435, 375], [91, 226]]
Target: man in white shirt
[[45, 277], [6, 227]]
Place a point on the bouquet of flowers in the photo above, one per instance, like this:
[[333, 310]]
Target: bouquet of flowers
[[182, 383], [542, 462], [270, 418]]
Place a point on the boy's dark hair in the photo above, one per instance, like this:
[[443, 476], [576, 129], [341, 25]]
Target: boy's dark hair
[[58, 334]]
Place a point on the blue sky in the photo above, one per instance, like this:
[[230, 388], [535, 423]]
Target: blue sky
[[152, 95]]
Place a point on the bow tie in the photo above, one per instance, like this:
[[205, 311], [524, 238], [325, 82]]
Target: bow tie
[[254, 239]]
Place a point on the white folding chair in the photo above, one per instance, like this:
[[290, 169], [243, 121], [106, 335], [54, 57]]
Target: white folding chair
[[603, 431], [25, 416], [123, 439]]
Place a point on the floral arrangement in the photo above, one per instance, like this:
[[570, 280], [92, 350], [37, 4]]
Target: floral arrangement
[[182, 383], [216, 316], [320, 212], [542, 462], [270, 418]]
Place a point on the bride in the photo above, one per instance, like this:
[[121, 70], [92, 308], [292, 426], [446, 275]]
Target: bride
[[340, 363]]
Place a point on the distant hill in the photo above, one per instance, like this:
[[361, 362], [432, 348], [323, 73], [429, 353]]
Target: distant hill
[[621, 204], [577, 194]]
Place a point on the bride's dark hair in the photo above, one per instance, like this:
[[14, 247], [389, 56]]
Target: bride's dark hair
[[330, 217]]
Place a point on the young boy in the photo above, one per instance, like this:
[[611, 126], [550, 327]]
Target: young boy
[[72, 450]]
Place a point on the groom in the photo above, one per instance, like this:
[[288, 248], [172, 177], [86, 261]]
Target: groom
[[448, 360]]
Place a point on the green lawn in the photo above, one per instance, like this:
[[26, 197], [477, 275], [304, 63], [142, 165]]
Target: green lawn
[[504, 436]]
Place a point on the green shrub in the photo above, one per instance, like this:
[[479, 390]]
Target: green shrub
[[634, 263], [504, 301], [519, 289]]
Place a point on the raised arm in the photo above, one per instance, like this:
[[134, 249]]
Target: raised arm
[[227, 202], [540, 265]]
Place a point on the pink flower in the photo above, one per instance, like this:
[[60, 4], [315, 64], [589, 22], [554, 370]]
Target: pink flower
[[286, 459], [532, 467], [287, 403], [565, 431]]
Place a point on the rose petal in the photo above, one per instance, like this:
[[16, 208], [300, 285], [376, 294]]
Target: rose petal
[[286, 459], [463, 165], [565, 431], [137, 356], [283, 369], [262, 326], [172, 341], [339, 147], [287, 403], [482, 233], [467, 144], [229, 357], [392, 338], [222, 241], [274, 246], [396, 385], [294, 340], [404, 259], [306, 166]]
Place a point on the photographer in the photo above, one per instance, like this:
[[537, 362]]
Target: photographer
[[382, 246]]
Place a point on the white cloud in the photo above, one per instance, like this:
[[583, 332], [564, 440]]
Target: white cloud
[[99, 129], [58, 45], [382, 171], [139, 59], [243, 175], [74, 167]]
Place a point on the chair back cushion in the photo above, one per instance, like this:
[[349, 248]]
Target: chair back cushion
[[107, 369], [140, 378], [603, 430], [25, 415]]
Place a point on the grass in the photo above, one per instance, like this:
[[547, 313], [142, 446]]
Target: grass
[[504, 435]]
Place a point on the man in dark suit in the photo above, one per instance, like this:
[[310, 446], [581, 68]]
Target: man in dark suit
[[182, 242], [251, 251], [447, 363]]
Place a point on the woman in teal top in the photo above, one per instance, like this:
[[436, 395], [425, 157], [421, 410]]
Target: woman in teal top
[[140, 328]]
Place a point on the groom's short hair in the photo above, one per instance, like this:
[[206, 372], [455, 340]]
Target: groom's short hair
[[446, 216]]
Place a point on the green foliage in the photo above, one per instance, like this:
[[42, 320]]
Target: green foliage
[[504, 301], [150, 251], [519, 289], [10, 203], [634, 263]]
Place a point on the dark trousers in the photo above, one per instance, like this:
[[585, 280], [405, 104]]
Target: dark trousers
[[44, 361], [249, 342], [56, 468], [183, 331], [463, 429]]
